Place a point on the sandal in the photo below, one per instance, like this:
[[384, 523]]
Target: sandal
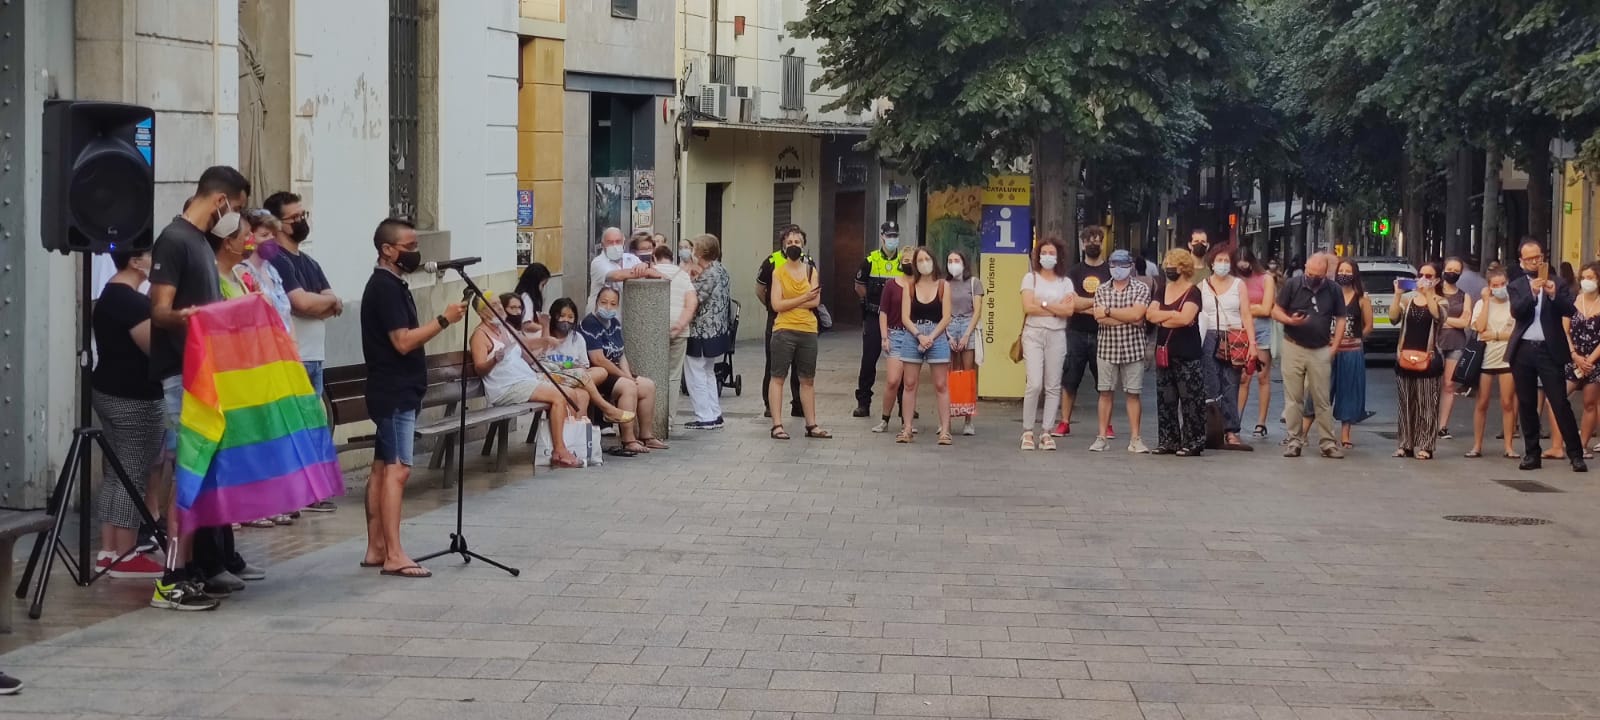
[[817, 432], [778, 433], [1473, 454], [1027, 440], [904, 438], [572, 464], [1260, 431], [945, 439], [1047, 442], [655, 443], [637, 448], [620, 451], [1511, 456], [1424, 455], [405, 572], [626, 416], [265, 522], [1402, 452]]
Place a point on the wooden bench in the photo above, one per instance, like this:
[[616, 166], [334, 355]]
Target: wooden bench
[[345, 391], [15, 524]]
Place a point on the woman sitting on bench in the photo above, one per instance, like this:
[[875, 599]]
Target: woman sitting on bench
[[565, 354], [509, 379]]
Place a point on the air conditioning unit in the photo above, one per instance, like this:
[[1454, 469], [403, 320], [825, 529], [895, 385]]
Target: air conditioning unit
[[745, 92], [750, 104], [714, 100]]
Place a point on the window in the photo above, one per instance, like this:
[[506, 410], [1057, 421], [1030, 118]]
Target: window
[[722, 69], [625, 9], [794, 83], [405, 20], [782, 208]]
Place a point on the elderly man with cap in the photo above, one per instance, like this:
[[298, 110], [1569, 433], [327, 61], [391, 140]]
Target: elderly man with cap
[[879, 267]]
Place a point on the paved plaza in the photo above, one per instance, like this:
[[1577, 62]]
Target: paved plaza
[[740, 578]]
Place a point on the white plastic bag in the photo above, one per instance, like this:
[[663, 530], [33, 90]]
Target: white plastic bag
[[581, 436]]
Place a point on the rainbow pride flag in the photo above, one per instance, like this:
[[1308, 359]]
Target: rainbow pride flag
[[254, 438]]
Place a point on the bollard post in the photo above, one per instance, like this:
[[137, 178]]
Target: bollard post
[[645, 333]]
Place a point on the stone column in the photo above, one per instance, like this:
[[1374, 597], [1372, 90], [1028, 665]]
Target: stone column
[[645, 331]]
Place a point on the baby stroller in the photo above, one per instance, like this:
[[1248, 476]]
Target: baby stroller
[[723, 369]]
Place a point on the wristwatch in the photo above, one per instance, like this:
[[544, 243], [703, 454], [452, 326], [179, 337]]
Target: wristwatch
[[444, 322]]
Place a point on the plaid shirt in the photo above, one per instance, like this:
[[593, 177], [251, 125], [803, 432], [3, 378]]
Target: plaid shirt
[[1122, 343]]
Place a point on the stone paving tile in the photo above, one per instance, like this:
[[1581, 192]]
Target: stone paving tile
[[734, 578]]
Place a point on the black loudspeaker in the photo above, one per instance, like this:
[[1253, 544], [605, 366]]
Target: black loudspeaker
[[99, 177]]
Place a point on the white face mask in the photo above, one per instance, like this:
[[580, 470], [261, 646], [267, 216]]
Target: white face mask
[[1047, 262], [956, 269], [226, 226], [1499, 293], [613, 252], [925, 267], [1221, 268], [1589, 286]]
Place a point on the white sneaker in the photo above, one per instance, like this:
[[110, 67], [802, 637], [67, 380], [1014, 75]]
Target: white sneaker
[[1136, 446], [881, 426], [968, 429], [1099, 445]]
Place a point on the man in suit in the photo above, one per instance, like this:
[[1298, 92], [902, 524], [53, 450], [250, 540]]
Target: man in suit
[[1539, 353]]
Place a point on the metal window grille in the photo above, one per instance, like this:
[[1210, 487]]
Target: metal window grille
[[782, 207], [625, 9], [794, 83], [405, 23], [722, 69]]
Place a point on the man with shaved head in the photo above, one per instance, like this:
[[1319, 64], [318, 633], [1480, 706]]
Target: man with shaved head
[[614, 265], [1311, 309]]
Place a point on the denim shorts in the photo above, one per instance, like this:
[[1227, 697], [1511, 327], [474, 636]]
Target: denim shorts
[[1264, 334], [958, 328], [936, 354], [314, 373], [395, 437], [172, 402]]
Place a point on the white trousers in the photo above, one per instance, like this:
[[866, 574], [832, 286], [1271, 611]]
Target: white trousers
[[700, 374]]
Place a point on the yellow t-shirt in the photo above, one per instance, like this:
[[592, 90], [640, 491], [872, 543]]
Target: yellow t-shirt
[[801, 319]]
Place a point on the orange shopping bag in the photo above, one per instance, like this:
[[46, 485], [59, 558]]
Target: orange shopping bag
[[964, 393]]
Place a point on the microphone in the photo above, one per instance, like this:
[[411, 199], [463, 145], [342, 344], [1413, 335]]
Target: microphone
[[456, 264]]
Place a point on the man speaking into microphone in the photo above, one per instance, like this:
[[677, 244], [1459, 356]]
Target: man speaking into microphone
[[397, 374]]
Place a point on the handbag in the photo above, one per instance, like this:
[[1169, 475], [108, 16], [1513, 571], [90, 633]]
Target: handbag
[[1470, 367], [1163, 360], [1426, 362], [1233, 346], [1016, 348], [964, 393]]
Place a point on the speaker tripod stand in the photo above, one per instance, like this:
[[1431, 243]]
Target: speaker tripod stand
[[75, 476]]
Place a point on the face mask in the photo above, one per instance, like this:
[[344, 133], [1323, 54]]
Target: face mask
[[607, 314], [1091, 252], [1499, 293], [906, 269], [1272, 266], [1221, 268], [956, 269], [1244, 268], [409, 261], [614, 253], [1315, 282], [1452, 277], [685, 254], [515, 320], [1120, 274], [1173, 274], [563, 326], [1425, 283], [925, 267], [891, 245], [1345, 279], [1199, 249], [1047, 262], [793, 253], [1589, 286], [226, 225], [300, 230]]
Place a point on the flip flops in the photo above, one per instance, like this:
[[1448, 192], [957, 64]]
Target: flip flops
[[401, 572]]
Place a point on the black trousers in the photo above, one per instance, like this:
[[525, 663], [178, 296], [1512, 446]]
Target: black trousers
[[1534, 365], [214, 552], [871, 350], [766, 372]]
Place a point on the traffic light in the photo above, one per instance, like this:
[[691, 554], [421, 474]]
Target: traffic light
[[1382, 227]]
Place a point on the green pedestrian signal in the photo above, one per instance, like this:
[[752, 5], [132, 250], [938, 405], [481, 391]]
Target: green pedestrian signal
[[1381, 227]]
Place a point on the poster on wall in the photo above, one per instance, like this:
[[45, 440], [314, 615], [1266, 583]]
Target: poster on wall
[[644, 184], [524, 247], [644, 215], [524, 208], [608, 206]]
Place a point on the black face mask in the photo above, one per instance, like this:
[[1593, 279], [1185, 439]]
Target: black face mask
[[409, 261], [793, 252], [1199, 249], [299, 230], [907, 269], [1173, 274], [562, 327], [1346, 279], [515, 320], [1091, 252], [1452, 277], [1314, 282]]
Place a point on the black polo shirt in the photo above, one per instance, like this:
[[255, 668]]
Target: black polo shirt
[[395, 381], [184, 259], [1322, 307]]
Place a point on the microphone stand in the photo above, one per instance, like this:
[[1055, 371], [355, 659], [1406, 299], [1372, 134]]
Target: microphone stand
[[458, 539]]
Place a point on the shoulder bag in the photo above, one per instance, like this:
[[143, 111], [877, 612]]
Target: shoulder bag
[[1233, 346], [1425, 362]]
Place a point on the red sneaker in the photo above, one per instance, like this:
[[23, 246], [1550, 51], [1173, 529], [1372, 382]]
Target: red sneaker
[[1062, 429], [136, 567], [1111, 434]]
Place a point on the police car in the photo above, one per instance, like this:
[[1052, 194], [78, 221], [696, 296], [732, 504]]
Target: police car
[[1377, 280]]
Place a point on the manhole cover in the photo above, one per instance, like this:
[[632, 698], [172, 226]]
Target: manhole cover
[[1529, 486], [1496, 520]]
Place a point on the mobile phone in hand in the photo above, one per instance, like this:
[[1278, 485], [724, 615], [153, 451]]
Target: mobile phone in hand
[[1408, 284]]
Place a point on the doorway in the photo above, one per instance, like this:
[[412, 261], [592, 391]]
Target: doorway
[[849, 249], [714, 193]]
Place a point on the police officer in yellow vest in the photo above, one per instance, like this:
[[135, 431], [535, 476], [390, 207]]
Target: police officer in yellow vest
[[787, 235], [880, 266]]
